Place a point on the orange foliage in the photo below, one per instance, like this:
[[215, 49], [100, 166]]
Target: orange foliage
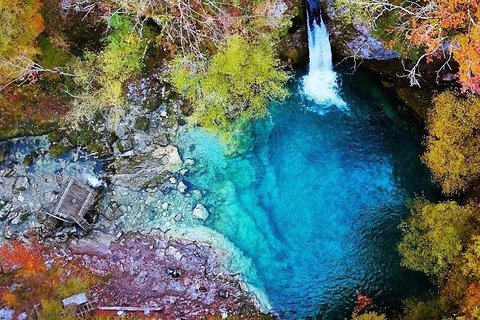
[[15, 255], [467, 54], [9, 299], [441, 25], [472, 299]]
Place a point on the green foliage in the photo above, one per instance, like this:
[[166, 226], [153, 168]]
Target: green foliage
[[351, 11], [471, 265], [434, 236], [50, 310], [238, 82], [429, 309], [52, 56], [74, 285], [453, 141], [100, 77]]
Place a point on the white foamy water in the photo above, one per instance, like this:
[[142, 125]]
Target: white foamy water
[[320, 84]]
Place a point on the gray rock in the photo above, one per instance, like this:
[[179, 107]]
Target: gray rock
[[8, 233], [165, 205], [200, 212], [147, 170], [6, 314], [21, 184], [149, 200], [182, 187]]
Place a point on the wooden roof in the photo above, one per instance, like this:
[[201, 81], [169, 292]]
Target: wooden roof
[[74, 202]]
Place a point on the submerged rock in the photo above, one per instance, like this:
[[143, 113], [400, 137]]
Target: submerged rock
[[200, 212], [182, 187]]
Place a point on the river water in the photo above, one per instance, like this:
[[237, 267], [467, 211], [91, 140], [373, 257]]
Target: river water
[[315, 203]]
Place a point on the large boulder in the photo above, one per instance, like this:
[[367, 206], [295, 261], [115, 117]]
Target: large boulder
[[147, 170], [356, 40]]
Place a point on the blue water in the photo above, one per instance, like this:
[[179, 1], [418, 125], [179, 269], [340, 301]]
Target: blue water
[[316, 201]]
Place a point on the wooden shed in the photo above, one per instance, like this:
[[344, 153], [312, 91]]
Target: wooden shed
[[78, 306], [74, 203]]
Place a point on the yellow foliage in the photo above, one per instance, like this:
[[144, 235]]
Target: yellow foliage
[[370, 316], [453, 141], [471, 266], [50, 310], [21, 23], [434, 236]]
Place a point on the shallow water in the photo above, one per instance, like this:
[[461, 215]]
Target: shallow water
[[316, 202]]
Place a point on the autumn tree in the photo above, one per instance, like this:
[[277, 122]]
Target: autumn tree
[[27, 281], [434, 236], [16, 256], [426, 30], [453, 141], [21, 23]]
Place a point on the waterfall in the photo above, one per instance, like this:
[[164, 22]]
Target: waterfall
[[320, 84]]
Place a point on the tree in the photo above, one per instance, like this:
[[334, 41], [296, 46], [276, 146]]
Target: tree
[[453, 141], [238, 82], [434, 236], [26, 281], [432, 29], [418, 309], [15, 255], [100, 77], [21, 24]]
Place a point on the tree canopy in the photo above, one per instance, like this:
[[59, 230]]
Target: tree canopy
[[239, 81], [434, 236], [453, 141], [21, 23]]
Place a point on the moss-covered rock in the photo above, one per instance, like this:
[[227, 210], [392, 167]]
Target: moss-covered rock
[[57, 149], [112, 138], [55, 136], [87, 136], [28, 160], [98, 148], [142, 123]]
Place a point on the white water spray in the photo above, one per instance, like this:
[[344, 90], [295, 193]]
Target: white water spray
[[320, 84]]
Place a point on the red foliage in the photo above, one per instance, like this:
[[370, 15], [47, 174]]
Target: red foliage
[[16, 255], [363, 302]]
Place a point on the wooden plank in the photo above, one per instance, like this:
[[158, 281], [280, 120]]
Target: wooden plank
[[59, 204]]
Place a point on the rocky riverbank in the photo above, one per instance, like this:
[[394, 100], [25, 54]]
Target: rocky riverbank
[[175, 277], [147, 218]]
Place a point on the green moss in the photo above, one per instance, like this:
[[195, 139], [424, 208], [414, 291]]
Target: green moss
[[52, 56], [57, 149], [28, 160], [72, 138], [55, 136], [87, 137], [142, 123], [98, 148]]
